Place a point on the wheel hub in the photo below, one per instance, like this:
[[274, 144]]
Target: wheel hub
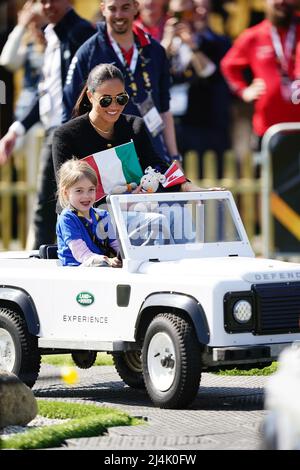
[[7, 351], [167, 361], [161, 361]]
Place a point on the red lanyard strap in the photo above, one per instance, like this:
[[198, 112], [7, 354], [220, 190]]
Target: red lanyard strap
[[129, 70]]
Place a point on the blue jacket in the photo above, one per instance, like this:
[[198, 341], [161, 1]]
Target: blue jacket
[[97, 50], [69, 228], [72, 31]]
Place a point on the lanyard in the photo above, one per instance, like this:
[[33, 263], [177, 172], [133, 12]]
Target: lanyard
[[103, 245], [137, 52], [121, 57], [285, 53]]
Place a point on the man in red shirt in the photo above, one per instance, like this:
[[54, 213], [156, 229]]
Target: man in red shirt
[[271, 50], [152, 17]]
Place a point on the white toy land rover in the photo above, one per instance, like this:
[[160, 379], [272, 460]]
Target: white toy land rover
[[190, 297]]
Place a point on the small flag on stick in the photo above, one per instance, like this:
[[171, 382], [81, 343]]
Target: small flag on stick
[[174, 175]]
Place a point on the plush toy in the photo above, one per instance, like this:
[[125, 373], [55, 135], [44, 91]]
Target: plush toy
[[124, 188], [150, 180]]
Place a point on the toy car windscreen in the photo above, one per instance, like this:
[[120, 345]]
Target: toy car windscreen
[[180, 224]]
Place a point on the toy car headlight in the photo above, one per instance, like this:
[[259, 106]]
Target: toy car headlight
[[242, 311]]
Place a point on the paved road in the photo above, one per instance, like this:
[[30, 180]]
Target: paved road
[[227, 413]]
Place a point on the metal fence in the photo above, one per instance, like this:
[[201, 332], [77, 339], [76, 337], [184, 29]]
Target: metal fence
[[280, 191]]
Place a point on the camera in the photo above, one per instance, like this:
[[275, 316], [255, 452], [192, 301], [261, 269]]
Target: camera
[[184, 15], [178, 15]]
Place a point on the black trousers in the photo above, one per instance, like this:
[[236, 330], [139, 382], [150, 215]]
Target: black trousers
[[45, 216]]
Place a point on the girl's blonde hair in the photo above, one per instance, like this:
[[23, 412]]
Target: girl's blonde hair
[[69, 174]]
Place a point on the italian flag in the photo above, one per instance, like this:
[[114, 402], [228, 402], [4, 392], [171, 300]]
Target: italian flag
[[115, 167]]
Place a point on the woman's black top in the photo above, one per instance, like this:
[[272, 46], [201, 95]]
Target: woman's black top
[[78, 138]]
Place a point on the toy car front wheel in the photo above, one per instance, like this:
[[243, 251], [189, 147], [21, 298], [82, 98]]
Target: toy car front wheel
[[129, 367], [171, 361], [19, 352]]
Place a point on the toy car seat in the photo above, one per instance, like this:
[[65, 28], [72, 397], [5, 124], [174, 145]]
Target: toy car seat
[[48, 252]]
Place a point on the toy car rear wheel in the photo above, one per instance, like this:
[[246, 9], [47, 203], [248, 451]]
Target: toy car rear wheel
[[84, 359], [19, 352], [171, 361], [129, 367]]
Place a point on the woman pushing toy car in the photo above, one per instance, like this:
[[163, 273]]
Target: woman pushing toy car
[[100, 124]]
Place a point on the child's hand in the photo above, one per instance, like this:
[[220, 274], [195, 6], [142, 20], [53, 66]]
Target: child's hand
[[101, 260], [96, 260], [137, 190], [113, 262]]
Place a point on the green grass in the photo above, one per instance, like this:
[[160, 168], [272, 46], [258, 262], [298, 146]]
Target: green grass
[[265, 371], [103, 359], [83, 421]]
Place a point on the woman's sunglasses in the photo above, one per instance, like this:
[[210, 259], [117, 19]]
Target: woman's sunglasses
[[107, 100]]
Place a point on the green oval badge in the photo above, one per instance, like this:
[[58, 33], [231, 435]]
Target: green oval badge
[[85, 299]]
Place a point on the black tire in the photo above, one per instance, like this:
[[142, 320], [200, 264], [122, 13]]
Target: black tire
[[171, 361], [21, 351], [129, 367], [84, 359]]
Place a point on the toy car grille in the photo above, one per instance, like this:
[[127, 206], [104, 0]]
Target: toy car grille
[[277, 307]]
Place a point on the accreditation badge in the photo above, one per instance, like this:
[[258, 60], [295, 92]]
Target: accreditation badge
[[151, 116]]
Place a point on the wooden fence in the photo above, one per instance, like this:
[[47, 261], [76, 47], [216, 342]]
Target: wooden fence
[[18, 186], [17, 193], [238, 178]]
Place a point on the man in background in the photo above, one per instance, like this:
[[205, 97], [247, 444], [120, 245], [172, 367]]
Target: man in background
[[65, 32], [152, 17], [271, 51]]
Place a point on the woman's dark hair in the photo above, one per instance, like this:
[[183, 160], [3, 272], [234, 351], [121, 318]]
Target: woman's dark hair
[[98, 75]]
